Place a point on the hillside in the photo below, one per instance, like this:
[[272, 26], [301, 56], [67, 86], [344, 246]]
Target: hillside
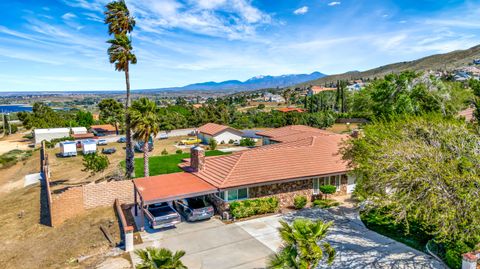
[[445, 61]]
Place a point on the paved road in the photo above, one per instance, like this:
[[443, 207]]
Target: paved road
[[356, 246]]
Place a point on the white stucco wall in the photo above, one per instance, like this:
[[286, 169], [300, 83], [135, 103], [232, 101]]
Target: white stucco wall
[[224, 136]]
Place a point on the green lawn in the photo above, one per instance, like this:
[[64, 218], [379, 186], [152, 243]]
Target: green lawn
[[166, 164]]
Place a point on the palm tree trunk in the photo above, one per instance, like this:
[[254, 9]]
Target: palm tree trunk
[[129, 161], [146, 169]]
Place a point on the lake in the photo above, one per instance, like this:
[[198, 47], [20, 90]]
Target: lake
[[14, 108]]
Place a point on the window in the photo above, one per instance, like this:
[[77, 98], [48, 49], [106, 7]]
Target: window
[[238, 194], [316, 186]]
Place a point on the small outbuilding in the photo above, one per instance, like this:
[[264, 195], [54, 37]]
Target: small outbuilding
[[79, 130], [49, 134], [68, 149], [89, 146], [221, 133]]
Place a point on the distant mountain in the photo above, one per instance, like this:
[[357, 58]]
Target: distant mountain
[[255, 83], [446, 61]]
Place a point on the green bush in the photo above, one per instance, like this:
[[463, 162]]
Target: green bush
[[12, 157], [164, 152], [325, 203], [328, 189], [299, 201], [248, 208], [247, 142], [213, 144], [178, 151], [454, 252], [53, 142]]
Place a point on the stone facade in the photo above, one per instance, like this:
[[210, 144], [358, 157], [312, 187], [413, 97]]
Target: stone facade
[[285, 192]]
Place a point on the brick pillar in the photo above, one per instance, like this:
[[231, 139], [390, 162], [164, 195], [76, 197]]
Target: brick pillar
[[469, 261], [197, 158]]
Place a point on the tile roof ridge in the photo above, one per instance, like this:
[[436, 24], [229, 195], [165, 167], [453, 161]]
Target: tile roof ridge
[[233, 167]]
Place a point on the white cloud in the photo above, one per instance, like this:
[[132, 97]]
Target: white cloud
[[334, 3], [301, 10], [68, 16]]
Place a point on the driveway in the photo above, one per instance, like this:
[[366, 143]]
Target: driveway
[[355, 245], [248, 244], [209, 244]]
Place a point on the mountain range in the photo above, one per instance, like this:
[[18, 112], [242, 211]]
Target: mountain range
[[255, 83]]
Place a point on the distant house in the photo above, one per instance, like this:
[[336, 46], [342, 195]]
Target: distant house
[[290, 109], [318, 89], [221, 133], [49, 134], [461, 76], [275, 98], [103, 130], [476, 61], [468, 114]]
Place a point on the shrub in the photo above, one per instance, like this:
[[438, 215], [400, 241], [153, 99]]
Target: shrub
[[328, 189], [178, 151], [299, 201], [248, 208], [261, 106], [213, 144], [247, 142], [53, 142], [95, 163], [454, 252], [325, 203], [164, 152]]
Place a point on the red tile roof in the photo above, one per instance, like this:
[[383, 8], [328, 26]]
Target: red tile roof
[[213, 129], [312, 156], [83, 136], [290, 109], [171, 186], [293, 132], [468, 114], [103, 127]]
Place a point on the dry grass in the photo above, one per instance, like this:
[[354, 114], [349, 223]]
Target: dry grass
[[28, 244], [340, 128]]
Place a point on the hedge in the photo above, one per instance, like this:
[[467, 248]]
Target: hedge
[[248, 208]]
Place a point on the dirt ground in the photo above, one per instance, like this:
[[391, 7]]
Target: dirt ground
[[14, 141], [28, 244]]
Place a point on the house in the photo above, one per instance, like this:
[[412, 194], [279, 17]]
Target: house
[[318, 89], [49, 134], [274, 98], [291, 109], [476, 61], [79, 130], [283, 170], [221, 133], [103, 130], [290, 133]]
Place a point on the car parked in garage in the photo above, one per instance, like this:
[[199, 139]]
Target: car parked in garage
[[162, 215], [194, 209]]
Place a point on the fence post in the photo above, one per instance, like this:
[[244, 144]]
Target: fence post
[[128, 241]]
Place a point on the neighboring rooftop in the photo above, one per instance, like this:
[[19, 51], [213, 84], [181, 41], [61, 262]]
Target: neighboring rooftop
[[291, 109], [213, 128], [104, 128], [51, 130], [307, 157], [292, 133], [318, 89]]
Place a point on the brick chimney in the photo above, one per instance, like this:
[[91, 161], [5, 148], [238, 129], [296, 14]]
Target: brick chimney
[[197, 158]]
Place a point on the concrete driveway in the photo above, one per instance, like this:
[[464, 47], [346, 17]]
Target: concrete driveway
[[248, 244], [210, 244], [355, 245]]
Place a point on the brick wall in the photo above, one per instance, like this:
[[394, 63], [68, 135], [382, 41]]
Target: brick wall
[[66, 205], [105, 193]]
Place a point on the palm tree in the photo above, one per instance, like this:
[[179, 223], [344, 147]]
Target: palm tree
[[120, 22], [145, 124], [300, 245], [155, 258]]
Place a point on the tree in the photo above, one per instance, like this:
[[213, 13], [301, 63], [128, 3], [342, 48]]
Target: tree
[[95, 163], [422, 169], [120, 22], [160, 258], [145, 124], [212, 143], [301, 249], [84, 118], [111, 112], [286, 94], [247, 142]]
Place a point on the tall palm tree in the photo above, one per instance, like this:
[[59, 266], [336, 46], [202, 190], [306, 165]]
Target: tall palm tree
[[301, 249], [120, 23], [155, 258], [145, 124]]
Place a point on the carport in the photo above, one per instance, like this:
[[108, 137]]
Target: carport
[[166, 188]]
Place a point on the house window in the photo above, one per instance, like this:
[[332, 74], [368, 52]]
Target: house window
[[237, 194], [316, 185], [330, 180]]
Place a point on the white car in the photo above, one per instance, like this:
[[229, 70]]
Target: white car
[[102, 142]]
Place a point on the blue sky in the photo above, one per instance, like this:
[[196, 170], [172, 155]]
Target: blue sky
[[60, 44]]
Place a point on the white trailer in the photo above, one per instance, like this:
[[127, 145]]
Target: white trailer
[[89, 146], [68, 148]]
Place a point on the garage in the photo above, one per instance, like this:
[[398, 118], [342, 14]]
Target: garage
[[153, 196]]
